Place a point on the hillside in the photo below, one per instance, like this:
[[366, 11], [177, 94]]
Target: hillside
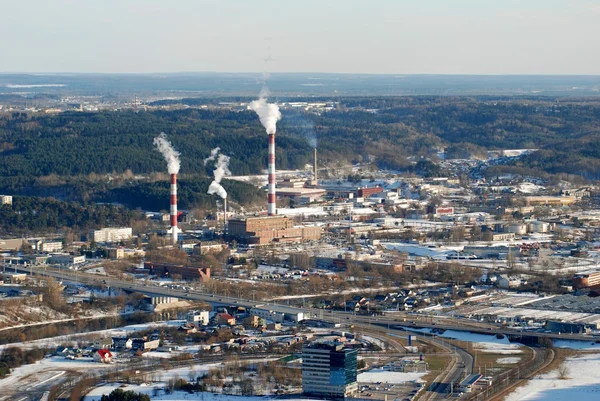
[[389, 131]]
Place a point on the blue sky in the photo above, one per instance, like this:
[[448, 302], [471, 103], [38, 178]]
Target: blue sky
[[370, 36]]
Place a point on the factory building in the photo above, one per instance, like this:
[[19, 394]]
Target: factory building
[[66, 259], [278, 314], [264, 230], [367, 192], [186, 272], [550, 200], [110, 234], [586, 280], [329, 370]]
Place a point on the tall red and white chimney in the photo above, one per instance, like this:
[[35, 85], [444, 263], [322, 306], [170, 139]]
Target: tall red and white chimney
[[272, 193], [174, 209]]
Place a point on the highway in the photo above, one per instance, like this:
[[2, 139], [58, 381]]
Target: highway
[[335, 316]]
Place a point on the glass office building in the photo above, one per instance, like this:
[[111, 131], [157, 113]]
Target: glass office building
[[329, 370]]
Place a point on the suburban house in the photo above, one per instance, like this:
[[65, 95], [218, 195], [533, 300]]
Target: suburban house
[[224, 318], [103, 355], [144, 344], [121, 343]]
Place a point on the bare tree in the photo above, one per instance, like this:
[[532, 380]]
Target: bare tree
[[563, 372]]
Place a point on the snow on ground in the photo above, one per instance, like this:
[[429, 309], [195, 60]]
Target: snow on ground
[[53, 342], [508, 361], [47, 369], [583, 383], [96, 394], [529, 188], [385, 376], [573, 344], [486, 343]]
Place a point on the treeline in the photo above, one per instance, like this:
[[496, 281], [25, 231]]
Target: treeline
[[391, 131], [31, 214], [82, 143], [13, 357], [191, 193]]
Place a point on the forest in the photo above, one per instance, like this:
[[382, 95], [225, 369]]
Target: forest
[[393, 132], [29, 215]]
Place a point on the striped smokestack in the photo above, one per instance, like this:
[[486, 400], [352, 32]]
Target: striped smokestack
[[272, 196], [315, 176], [174, 209]]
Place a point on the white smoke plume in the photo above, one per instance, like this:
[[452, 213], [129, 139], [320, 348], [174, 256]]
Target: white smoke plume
[[213, 155], [221, 170], [171, 155], [267, 112]]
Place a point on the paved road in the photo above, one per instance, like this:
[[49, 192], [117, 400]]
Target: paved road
[[335, 316]]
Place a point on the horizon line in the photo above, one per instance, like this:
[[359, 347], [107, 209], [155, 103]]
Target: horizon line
[[308, 72]]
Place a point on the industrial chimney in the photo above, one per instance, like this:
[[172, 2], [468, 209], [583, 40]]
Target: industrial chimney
[[225, 216], [272, 194], [315, 175], [174, 228]]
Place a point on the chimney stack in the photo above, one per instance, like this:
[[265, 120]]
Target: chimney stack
[[315, 174], [225, 216], [272, 194], [174, 209]]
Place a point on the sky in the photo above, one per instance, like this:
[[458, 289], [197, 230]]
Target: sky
[[337, 36]]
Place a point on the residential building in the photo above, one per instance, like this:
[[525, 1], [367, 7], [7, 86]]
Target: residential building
[[206, 247], [144, 344], [198, 316], [121, 343], [329, 370], [503, 236], [224, 319], [6, 200], [51, 246], [504, 281], [103, 355], [116, 253], [110, 234]]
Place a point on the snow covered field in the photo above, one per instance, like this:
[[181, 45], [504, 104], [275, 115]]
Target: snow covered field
[[48, 371], [511, 360], [385, 376], [96, 395], [583, 383], [53, 342], [483, 342]]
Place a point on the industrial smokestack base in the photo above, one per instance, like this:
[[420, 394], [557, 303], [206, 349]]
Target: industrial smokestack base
[[272, 193], [173, 211]]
